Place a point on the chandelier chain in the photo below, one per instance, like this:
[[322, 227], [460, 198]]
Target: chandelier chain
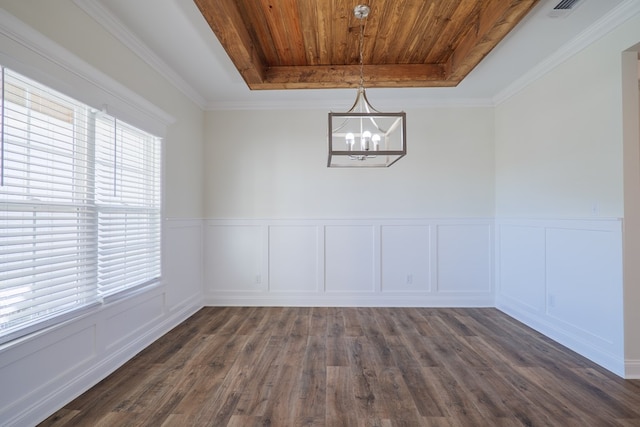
[[361, 47]]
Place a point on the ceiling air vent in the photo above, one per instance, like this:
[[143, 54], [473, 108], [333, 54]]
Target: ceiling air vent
[[564, 8]]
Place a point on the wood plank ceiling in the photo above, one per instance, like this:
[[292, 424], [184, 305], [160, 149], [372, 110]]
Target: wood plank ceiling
[[306, 44]]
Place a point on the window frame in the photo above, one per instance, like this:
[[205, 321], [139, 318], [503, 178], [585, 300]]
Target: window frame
[[99, 298]]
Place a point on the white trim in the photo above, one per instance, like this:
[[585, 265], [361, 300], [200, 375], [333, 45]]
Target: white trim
[[45, 402], [81, 81], [116, 28], [632, 369], [352, 299], [600, 223], [607, 360], [23, 332], [333, 104], [132, 291], [610, 21], [183, 222], [350, 221]]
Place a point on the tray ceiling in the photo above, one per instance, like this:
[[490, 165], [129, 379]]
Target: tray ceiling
[[308, 44], [174, 38]]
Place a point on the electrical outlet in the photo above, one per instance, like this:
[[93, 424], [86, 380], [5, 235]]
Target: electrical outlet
[[409, 279], [258, 279], [552, 300]]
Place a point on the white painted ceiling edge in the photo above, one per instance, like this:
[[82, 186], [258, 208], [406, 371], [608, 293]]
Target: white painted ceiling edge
[[205, 74]]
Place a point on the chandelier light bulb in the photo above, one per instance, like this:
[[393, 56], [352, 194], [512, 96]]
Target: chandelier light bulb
[[365, 141], [376, 141], [350, 140]]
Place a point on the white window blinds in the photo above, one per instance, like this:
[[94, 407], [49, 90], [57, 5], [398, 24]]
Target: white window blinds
[[79, 206], [128, 203]]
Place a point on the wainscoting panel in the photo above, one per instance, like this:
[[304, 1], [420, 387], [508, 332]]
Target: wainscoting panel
[[235, 256], [350, 262], [294, 262], [582, 279], [406, 258], [522, 265], [182, 261], [24, 376], [43, 371], [130, 319], [564, 278], [464, 257], [350, 258]]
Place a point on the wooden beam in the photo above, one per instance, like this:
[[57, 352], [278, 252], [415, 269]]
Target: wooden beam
[[345, 76], [226, 22], [496, 18]]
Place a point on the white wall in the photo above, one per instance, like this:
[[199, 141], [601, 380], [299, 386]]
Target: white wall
[[57, 43], [558, 144], [559, 157], [631, 164], [272, 164]]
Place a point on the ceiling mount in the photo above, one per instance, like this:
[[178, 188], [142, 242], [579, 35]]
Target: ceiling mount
[[361, 11]]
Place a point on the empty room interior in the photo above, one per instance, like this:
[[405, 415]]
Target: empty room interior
[[197, 226]]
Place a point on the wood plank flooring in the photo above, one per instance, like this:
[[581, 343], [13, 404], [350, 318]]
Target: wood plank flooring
[[279, 366]]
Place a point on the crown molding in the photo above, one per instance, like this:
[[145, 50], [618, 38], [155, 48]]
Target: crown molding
[[385, 104], [116, 28], [81, 80], [606, 24]]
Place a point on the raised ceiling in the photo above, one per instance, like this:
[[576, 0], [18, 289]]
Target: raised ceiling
[[308, 44], [173, 38]]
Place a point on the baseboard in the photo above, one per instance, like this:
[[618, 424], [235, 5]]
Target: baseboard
[[632, 369], [189, 306], [44, 406], [608, 361], [310, 299]]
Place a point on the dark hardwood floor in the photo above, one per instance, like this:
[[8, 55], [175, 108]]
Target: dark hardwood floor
[[382, 367]]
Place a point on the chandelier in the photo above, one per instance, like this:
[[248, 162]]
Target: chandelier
[[364, 136]]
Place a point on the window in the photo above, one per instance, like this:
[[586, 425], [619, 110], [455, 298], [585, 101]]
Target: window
[[79, 206]]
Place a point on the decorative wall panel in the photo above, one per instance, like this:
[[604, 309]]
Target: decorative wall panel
[[350, 258], [464, 257], [235, 256], [564, 278], [294, 258], [49, 368], [406, 258], [357, 262], [182, 258]]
